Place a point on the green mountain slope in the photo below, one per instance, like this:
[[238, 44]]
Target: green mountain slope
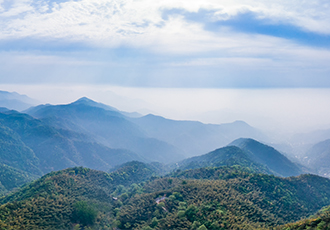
[[226, 156], [47, 148], [320, 220], [268, 156], [107, 126], [318, 158], [15, 153], [255, 201], [11, 178], [50, 200], [222, 198]]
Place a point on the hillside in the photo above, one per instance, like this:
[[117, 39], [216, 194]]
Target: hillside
[[11, 178], [14, 152], [31, 145], [321, 220], [318, 158], [107, 126], [51, 199], [226, 156], [256, 201], [238, 199], [268, 156]]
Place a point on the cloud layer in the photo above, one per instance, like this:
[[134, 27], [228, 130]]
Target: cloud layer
[[190, 43]]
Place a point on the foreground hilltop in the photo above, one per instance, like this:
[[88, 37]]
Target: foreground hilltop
[[246, 152], [222, 198]]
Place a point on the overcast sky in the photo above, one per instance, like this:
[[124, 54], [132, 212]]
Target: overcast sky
[[242, 45]]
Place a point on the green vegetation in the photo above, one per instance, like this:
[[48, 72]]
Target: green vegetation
[[207, 198], [83, 213], [227, 156], [63, 199], [11, 178], [316, 222], [263, 154]]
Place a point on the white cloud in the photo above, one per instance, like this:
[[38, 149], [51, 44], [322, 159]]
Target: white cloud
[[114, 22], [102, 25]]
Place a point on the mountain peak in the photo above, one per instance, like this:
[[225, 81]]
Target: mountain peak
[[90, 102], [84, 99]]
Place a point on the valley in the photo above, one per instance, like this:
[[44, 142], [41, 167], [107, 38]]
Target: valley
[[87, 165]]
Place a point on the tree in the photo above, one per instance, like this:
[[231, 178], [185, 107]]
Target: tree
[[83, 213]]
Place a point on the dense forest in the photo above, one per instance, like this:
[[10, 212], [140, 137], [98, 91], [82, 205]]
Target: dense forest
[[134, 196]]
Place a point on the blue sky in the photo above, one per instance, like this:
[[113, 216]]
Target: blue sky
[[160, 47], [208, 44]]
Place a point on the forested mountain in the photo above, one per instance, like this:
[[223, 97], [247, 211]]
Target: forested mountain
[[247, 153], [226, 156], [14, 152], [107, 126], [146, 183], [225, 198], [11, 178], [321, 220], [268, 156], [94, 135], [31, 145]]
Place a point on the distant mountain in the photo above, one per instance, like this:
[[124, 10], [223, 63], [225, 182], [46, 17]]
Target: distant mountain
[[11, 178], [107, 126], [15, 153], [245, 153], [226, 156], [31, 145], [268, 156], [318, 158], [16, 101], [311, 137], [192, 137], [89, 102]]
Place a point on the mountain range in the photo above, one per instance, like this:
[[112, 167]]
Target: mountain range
[[86, 133], [150, 172], [13, 100]]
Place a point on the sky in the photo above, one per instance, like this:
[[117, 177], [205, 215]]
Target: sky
[[262, 61]]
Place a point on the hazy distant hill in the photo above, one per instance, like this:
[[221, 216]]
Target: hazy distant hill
[[11, 178], [108, 126], [16, 101], [192, 137], [318, 158], [311, 137], [268, 156], [14, 152], [32, 145]]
